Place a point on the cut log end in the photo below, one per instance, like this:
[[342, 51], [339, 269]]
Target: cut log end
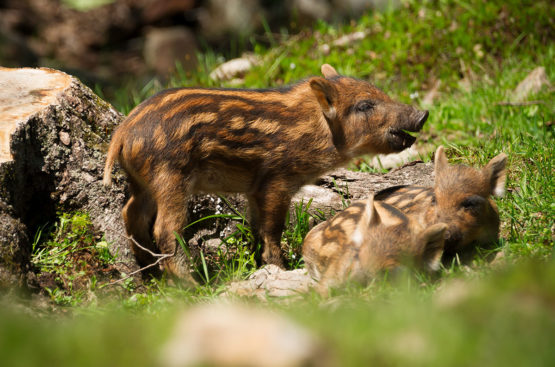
[[23, 93]]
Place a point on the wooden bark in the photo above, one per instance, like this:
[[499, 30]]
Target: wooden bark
[[336, 189], [15, 249], [53, 135]]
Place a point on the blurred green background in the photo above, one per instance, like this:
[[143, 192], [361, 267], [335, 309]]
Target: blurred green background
[[461, 59]]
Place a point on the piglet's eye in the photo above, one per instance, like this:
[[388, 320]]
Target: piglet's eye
[[473, 202], [364, 106]]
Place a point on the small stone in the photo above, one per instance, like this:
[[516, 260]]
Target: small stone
[[271, 281], [218, 19], [393, 160], [88, 178], [312, 9], [241, 335], [89, 166], [533, 83], [212, 244], [452, 294], [350, 38], [64, 138], [234, 68], [166, 46]]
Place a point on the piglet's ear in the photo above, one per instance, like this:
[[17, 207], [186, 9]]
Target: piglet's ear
[[496, 174], [440, 162], [433, 240], [326, 94], [440, 159], [370, 212], [328, 71]]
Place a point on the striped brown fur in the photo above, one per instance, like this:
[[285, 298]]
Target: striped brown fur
[[367, 238], [264, 143], [460, 197]]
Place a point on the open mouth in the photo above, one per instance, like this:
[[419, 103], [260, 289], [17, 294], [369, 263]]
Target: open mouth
[[403, 137], [400, 139]]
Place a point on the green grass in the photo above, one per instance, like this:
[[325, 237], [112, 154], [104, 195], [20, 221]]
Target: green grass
[[504, 319], [479, 51], [70, 260], [501, 318]]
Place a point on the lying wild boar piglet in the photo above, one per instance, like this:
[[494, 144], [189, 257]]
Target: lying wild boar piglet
[[367, 238], [264, 143], [461, 197]]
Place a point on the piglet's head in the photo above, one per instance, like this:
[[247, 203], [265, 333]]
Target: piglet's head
[[362, 118], [463, 200]]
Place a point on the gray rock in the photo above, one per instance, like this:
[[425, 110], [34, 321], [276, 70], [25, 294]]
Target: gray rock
[[234, 68], [271, 281], [311, 9], [164, 47], [393, 160], [533, 83], [220, 18], [228, 334]]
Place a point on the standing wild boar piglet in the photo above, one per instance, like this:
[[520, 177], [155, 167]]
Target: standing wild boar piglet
[[461, 198], [264, 143], [367, 238]]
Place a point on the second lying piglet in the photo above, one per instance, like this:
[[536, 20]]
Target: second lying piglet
[[461, 198], [367, 238]]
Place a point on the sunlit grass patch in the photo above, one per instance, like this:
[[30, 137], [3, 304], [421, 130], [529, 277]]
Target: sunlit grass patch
[[487, 314], [72, 259]]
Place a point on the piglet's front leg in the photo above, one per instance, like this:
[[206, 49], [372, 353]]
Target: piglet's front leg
[[270, 206]]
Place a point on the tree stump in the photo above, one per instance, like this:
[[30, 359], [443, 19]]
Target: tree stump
[[54, 132]]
